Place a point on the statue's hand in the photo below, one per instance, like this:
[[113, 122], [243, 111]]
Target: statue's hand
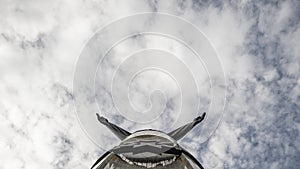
[[101, 119], [200, 118]]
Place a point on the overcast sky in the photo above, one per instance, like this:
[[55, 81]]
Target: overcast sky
[[257, 43]]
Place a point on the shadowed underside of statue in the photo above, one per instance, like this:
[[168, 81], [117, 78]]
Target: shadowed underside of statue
[[148, 149]]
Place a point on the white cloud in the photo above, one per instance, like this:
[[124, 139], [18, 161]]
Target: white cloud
[[258, 45]]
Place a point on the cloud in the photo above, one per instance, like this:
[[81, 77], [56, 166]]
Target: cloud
[[258, 45]]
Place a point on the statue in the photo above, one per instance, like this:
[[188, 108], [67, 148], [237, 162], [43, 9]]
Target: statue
[[148, 149]]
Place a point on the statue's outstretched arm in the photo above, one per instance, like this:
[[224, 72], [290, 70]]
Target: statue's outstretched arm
[[118, 131], [183, 130]]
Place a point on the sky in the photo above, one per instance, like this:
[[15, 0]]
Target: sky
[[43, 45]]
